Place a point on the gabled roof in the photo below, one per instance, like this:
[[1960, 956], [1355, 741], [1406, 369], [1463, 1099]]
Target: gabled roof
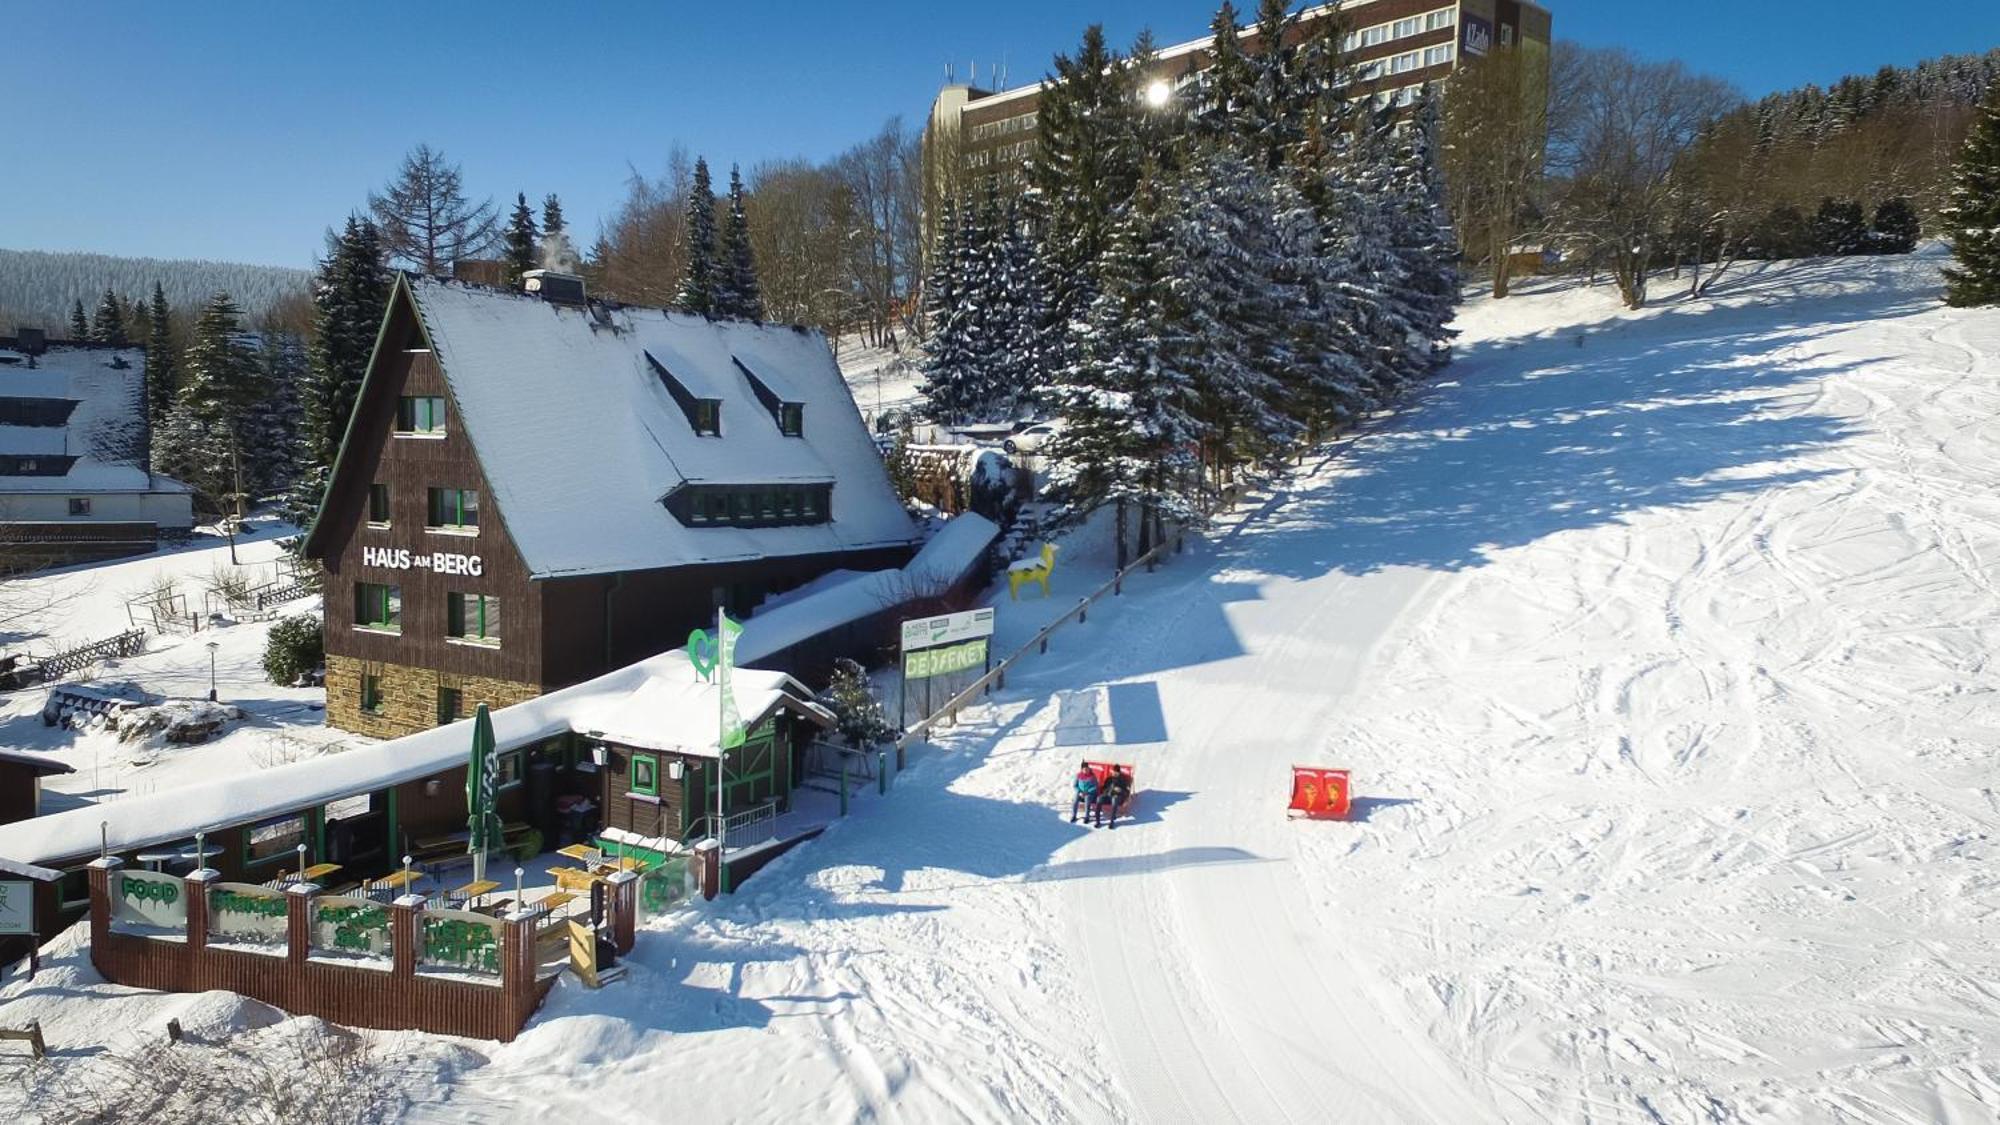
[[580, 436], [105, 389]]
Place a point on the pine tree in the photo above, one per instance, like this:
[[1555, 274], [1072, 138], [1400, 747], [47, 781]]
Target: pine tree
[[161, 360], [700, 285], [271, 421], [1839, 227], [1896, 228], [108, 325], [204, 442], [552, 216], [951, 365], [857, 713], [1273, 121], [738, 294], [522, 250], [1086, 162], [349, 297], [79, 325], [1224, 88], [1129, 432], [1972, 220]]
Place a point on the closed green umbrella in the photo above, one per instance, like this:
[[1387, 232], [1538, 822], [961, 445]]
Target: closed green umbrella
[[482, 782]]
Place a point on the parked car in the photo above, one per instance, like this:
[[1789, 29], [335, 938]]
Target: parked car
[[1032, 439]]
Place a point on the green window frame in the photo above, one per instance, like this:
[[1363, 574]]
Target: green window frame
[[371, 694], [378, 606], [453, 509], [420, 414], [378, 504], [643, 775], [472, 617]]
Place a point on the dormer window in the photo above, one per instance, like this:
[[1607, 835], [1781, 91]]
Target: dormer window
[[708, 417], [790, 415], [792, 419]]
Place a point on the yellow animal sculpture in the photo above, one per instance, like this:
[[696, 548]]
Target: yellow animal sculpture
[[1029, 570]]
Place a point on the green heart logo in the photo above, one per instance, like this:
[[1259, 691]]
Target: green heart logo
[[701, 653]]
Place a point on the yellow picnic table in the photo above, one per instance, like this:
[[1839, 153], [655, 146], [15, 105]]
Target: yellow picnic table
[[471, 891], [315, 873], [399, 880], [582, 853], [555, 901]]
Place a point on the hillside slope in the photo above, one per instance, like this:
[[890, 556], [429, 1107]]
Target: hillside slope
[[37, 287]]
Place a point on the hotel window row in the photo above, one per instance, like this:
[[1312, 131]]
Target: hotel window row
[[1400, 29], [752, 505], [1022, 124], [471, 618], [1407, 61]]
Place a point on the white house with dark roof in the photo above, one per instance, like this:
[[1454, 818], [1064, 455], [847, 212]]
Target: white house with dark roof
[[74, 481]]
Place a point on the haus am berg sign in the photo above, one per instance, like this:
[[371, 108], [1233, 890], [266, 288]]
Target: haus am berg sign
[[952, 628], [438, 562]]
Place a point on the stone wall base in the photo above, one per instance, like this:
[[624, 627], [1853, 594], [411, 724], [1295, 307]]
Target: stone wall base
[[410, 696]]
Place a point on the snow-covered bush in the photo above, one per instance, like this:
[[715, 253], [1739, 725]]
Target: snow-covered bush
[[296, 646], [857, 713]]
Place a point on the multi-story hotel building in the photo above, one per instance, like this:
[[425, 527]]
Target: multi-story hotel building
[[1398, 46]]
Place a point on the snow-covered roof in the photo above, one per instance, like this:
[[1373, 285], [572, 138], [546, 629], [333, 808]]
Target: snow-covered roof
[[107, 386], [580, 437], [40, 763], [943, 561], [656, 703]]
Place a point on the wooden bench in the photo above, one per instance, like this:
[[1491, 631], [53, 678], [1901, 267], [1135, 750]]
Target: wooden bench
[[555, 901], [314, 874], [471, 891]]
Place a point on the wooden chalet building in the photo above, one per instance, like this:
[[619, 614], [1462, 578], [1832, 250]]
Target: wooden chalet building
[[535, 489]]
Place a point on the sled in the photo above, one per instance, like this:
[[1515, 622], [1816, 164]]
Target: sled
[[1102, 771], [1319, 793]]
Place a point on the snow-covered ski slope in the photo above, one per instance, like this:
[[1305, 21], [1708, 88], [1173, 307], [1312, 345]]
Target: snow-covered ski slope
[[1663, 662]]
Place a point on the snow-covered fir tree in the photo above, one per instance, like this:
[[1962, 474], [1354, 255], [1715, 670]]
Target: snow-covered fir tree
[[107, 326], [203, 440], [79, 325], [1972, 220], [271, 420], [1130, 435], [161, 362], [349, 295], [737, 293], [951, 365], [552, 215], [700, 285], [857, 713], [522, 242]]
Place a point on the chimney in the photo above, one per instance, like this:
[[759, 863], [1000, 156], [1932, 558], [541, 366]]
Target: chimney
[[555, 288]]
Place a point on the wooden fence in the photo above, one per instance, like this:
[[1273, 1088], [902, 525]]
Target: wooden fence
[[129, 643]]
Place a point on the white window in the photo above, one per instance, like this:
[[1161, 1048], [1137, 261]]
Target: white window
[[1407, 27], [1438, 56], [1404, 63], [1444, 17], [1374, 36], [1368, 70], [1407, 95]]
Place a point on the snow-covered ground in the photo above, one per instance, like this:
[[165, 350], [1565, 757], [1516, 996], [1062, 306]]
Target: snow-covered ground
[[1659, 644], [882, 379], [74, 605]]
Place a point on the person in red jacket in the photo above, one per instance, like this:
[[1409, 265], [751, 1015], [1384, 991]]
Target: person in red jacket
[[1086, 793]]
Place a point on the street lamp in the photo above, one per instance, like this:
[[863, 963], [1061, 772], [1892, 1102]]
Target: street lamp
[[212, 646]]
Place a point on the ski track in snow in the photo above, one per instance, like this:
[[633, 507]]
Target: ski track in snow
[[1661, 660]]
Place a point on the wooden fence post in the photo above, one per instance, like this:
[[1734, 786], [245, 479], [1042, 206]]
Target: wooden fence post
[[405, 931], [624, 909]]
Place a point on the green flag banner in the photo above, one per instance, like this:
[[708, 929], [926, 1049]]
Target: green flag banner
[[725, 663]]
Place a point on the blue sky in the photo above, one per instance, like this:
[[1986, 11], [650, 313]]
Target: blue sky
[[240, 131]]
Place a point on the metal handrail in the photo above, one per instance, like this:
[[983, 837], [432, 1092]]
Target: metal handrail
[[997, 677]]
